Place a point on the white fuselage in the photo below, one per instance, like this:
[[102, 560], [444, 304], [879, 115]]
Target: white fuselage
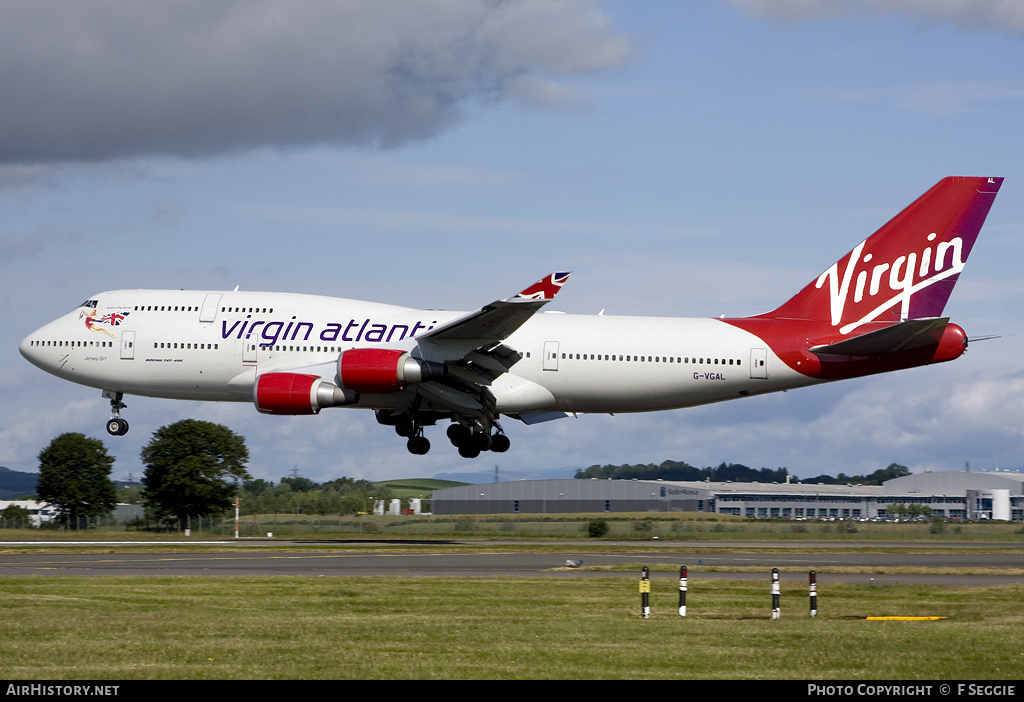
[[198, 345]]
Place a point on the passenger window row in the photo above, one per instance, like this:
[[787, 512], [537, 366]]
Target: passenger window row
[[76, 344], [166, 308], [180, 345], [291, 347], [195, 308], [698, 360]]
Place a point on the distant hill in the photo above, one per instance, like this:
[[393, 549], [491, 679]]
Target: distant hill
[[508, 476], [14, 483], [416, 487]]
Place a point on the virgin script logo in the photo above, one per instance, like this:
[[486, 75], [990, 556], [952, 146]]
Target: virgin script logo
[[890, 283]]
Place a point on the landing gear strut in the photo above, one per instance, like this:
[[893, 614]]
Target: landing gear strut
[[409, 427], [115, 425]]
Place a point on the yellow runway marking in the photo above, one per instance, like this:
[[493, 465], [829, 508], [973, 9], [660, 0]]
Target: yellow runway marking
[[903, 619]]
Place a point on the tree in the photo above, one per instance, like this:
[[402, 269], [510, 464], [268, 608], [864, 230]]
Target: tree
[[74, 478], [16, 515], [894, 470], [188, 468]]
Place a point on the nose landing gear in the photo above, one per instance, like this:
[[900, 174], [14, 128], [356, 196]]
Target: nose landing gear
[[115, 425]]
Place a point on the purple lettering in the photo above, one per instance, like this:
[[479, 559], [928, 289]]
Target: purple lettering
[[403, 327], [330, 333], [271, 337], [376, 333], [345, 336], [252, 328]]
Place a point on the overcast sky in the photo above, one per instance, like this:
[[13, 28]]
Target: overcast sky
[[693, 159]]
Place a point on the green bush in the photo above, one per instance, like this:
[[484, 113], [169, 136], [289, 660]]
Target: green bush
[[596, 528]]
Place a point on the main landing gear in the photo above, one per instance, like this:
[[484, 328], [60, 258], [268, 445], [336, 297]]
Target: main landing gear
[[471, 443], [470, 439], [410, 427], [115, 425]]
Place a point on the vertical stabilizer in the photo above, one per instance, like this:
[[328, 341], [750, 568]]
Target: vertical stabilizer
[[905, 270]]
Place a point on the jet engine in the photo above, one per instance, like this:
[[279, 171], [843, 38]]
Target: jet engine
[[384, 370], [297, 393]]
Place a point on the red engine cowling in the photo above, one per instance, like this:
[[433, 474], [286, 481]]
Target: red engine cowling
[[952, 344], [384, 370], [297, 393]]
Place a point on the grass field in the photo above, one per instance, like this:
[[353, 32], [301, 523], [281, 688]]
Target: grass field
[[123, 628], [131, 628], [639, 526]]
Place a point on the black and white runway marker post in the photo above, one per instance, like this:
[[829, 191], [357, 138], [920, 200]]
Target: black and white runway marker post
[[682, 591], [813, 577], [776, 612]]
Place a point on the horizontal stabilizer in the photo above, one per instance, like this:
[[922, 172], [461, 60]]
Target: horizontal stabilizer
[[911, 334]]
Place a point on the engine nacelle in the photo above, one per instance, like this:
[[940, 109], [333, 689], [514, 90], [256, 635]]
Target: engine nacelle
[[952, 344], [298, 393], [384, 370]]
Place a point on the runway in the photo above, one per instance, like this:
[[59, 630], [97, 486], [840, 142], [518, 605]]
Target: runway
[[961, 566]]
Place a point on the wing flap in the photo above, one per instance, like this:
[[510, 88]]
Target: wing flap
[[449, 398]]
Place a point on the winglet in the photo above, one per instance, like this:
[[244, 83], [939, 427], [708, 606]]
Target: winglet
[[544, 289], [496, 321]]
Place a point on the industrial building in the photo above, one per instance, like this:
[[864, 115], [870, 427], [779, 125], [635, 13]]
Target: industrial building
[[964, 495]]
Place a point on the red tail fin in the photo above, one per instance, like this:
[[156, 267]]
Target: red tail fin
[[905, 270]]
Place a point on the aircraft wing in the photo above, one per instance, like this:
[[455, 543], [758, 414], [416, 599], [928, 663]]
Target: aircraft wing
[[903, 336], [475, 350], [496, 322]]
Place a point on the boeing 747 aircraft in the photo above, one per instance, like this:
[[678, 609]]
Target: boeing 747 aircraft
[[877, 309]]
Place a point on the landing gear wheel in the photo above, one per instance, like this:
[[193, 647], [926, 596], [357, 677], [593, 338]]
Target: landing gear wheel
[[418, 445], [469, 451], [500, 443], [481, 442], [117, 427], [458, 435]]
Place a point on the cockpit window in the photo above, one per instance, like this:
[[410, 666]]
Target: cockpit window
[[89, 303]]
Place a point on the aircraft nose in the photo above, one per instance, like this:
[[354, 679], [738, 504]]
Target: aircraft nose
[[31, 348], [28, 349]]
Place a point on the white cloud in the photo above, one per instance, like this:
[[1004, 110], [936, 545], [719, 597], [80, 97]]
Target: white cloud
[[87, 80]]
